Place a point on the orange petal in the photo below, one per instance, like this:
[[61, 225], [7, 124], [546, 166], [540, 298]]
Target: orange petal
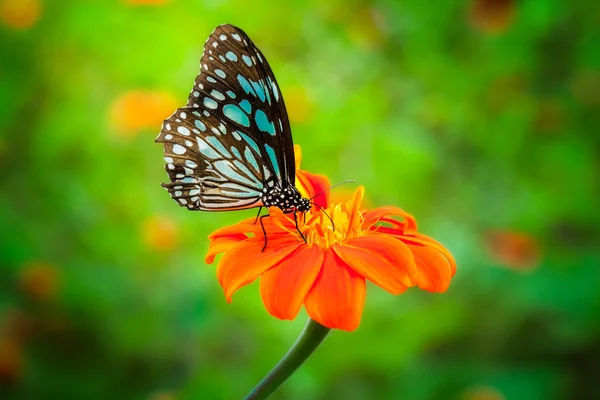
[[429, 242], [311, 184], [434, 269], [385, 261], [337, 298], [353, 212], [297, 156], [374, 216], [284, 287], [245, 262], [245, 226], [222, 244]]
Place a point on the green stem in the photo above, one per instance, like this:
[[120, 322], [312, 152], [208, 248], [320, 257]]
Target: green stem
[[310, 338]]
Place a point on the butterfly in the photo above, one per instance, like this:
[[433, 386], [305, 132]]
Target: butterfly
[[230, 147]]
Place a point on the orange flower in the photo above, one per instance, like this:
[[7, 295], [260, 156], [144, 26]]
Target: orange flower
[[139, 109], [492, 16], [160, 233], [20, 14], [328, 273]]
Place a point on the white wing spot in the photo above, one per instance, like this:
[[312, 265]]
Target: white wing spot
[[215, 44], [223, 37], [236, 37], [217, 95], [179, 149], [183, 130]]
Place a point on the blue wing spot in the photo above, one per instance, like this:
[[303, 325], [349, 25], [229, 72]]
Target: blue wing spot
[[236, 152], [273, 158], [246, 171], [263, 122], [226, 169], [250, 141], [210, 103], [247, 60], [250, 158], [245, 104], [245, 84], [259, 90], [211, 79], [274, 87], [206, 150], [218, 145], [200, 125], [235, 114], [231, 56], [220, 73], [231, 94]]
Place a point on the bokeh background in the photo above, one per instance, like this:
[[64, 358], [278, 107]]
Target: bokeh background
[[479, 117]]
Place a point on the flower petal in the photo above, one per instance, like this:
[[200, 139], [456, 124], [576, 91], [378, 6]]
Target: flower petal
[[374, 216], [429, 242], [221, 244], [311, 184], [245, 226], [383, 260], [283, 288], [434, 269], [245, 262], [337, 298], [354, 221]]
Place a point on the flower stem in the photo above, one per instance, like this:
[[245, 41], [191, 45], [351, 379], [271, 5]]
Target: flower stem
[[310, 338]]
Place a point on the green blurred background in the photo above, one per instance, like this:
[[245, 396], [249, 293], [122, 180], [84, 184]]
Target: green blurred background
[[479, 117]]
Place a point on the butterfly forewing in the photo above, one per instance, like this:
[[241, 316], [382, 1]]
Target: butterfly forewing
[[236, 84]]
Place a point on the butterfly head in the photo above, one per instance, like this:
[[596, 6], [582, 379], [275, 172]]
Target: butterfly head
[[287, 199], [303, 205]]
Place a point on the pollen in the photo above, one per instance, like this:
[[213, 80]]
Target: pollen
[[345, 223]]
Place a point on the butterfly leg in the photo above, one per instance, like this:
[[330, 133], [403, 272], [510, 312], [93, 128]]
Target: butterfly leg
[[257, 215], [264, 231], [297, 228]]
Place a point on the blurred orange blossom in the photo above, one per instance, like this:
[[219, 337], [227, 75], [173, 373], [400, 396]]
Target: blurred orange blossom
[[20, 14], [139, 109], [328, 272]]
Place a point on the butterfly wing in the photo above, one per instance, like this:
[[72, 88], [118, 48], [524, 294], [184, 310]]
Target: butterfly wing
[[212, 166], [237, 85]]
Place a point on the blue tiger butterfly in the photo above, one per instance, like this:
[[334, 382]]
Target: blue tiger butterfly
[[230, 147]]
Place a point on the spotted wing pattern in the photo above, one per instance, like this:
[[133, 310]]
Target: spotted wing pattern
[[232, 142]]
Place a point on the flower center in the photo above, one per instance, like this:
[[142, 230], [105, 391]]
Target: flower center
[[341, 224]]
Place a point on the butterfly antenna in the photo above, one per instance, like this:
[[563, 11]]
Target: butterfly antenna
[[327, 215], [331, 187]]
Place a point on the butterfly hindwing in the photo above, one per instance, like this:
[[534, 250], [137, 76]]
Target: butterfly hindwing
[[211, 165], [236, 84]]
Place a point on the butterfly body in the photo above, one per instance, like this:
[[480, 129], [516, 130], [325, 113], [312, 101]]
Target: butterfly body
[[230, 147]]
